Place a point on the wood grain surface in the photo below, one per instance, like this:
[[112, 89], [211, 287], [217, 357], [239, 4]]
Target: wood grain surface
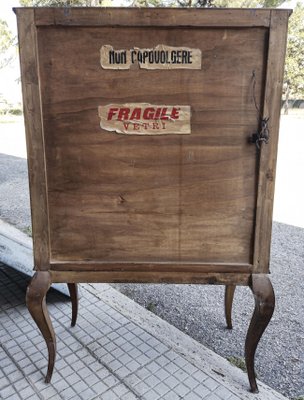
[[211, 278], [151, 198], [152, 17]]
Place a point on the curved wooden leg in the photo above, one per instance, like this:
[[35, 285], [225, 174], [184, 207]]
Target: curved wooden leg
[[73, 289], [35, 300], [264, 306], [229, 294]]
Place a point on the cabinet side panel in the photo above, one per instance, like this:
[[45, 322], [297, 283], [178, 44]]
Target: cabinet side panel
[[268, 154], [34, 136]]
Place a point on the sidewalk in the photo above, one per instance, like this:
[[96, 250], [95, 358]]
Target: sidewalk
[[118, 350]]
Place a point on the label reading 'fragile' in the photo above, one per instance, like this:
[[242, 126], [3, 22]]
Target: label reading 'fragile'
[[160, 57], [145, 119]]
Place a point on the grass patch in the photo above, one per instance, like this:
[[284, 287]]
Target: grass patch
[[298, 398], [151, 307], [238, 362], [28, 231]]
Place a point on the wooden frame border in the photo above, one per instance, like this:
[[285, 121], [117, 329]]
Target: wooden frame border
[[152, 17], [105, 266], [213, 278], [34, 137], [268, 153]]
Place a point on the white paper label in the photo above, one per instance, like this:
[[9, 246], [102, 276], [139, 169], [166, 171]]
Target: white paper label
[[145, 119], [160, 57]]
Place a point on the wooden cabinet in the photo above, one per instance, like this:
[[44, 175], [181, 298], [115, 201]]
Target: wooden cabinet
[[152, 139]]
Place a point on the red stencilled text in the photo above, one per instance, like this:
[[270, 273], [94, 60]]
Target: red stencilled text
[[147, 113]]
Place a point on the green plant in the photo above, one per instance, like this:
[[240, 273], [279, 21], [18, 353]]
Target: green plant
[[151, 307], [238, 362], [15, 111], [28, 230]]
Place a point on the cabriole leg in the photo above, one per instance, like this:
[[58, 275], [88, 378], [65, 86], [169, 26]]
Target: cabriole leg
[[264, 306], [73, 289], [229, 294], [36, 303]]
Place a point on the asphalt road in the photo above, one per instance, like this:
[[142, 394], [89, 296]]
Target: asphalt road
[[14, 192]]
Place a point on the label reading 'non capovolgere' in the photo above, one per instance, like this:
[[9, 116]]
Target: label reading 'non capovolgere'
[[145, 119], [159, 57]]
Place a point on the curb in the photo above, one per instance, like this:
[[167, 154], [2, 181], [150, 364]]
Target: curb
[[16, 251]]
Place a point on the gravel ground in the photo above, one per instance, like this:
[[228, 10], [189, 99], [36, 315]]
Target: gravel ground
[[198, 311]]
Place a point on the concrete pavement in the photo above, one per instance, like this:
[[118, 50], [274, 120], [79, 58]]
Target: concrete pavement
[[118, 350]]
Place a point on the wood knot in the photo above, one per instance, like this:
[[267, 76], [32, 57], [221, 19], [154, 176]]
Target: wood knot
[[269, 175], [121, 199]]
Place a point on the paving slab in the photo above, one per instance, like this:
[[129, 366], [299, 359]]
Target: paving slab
[[117, 350]]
